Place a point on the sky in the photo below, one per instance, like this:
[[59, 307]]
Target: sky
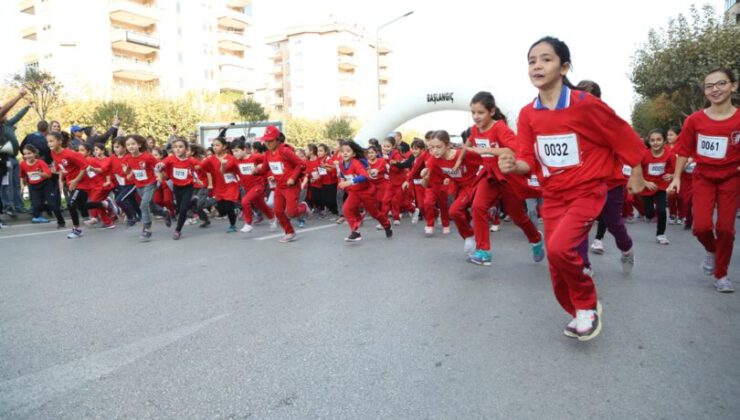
[[474, 43]]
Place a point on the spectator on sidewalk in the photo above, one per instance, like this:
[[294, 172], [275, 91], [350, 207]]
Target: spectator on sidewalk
[[11, 187]]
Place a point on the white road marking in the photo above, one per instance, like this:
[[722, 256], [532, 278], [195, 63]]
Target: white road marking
[[298, 231]]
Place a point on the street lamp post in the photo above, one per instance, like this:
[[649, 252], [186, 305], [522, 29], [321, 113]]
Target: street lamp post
[[377, 48]]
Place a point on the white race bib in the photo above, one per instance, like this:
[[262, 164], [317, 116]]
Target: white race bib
[[91, 174], [453, 174], [656, 169], [322, 171], [560, 151], [626, 170], [180, 173], [121, 180], [690, 168], [229, 178], [713, 147], [34, 176], [481, 143], [533, 181], [348, 177], [246, 168], [315, 175], [276, 168], [139, 174]]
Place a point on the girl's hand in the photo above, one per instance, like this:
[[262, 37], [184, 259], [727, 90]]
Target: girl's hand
[[424, 173], [159, 166], [290, 182], [651, 186], [667, 177], [373, 173], [405, 185], [446, 181], [344, 184], [507, 163], [106, 184], [675, 185], [73, 185]]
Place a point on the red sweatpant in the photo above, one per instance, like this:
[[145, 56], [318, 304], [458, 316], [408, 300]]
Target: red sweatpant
[[163, 198], [363, 199], [435, 197], [255, 197], [98, 194], [418, 196], [487, 194], [393, 200], [674, 205], [287, 206], [460, 213], [718, 188], [686, 196], [568, 217]]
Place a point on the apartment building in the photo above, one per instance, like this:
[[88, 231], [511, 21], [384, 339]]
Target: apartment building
[[325, 71], [97, 47], [732, 8]]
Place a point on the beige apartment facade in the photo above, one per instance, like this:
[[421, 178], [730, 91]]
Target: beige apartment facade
[[325, 71], [98, 47]]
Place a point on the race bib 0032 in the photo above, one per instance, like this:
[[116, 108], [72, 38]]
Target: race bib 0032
[[560, 151]]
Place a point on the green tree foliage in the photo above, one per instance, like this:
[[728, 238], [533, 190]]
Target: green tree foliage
[[301, 131], [104, 114], [42, 87], [668, 70], [250, 110], [338, 128]]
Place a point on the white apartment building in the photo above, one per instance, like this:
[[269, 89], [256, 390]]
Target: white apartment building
[[732, 8], [325, 71], [96, 47]]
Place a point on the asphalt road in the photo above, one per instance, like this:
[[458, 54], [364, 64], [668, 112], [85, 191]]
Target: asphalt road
[[218, 326]]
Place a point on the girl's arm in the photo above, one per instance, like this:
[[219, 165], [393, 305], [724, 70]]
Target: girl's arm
[[675, 185]]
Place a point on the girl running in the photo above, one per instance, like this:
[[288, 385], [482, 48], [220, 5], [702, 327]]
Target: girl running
[[441, 167], [675, 211], [491, 137], [712, 138], [435, 194], [568, 137], [377, 169], [125, 190], [179, 167], [36, 174], [139, 167], [361, 192], [328, 173], [393, 200], [244, 163], [224, 182], [658, 165], [286, 167]]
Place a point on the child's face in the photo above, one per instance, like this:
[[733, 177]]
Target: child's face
[[99, 153], [322, 152], [179, 149], [438, 148], [132, 146], [218, 147], [481, 116], [301, 154], [371, 154], [387, 147], [82, 150], [118, 149], [239, 153], [416, 151], [157, 154], [671, 136], [53, 143], [656, 141], [347, 153], [29, 156]]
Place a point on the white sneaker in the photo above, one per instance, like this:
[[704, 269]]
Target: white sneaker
[[91, 222], [724, 285], [428, 230], [588, 324], [495, 228], [415, 217], [597, 247], [570, 329], [193, 221], [708, 264], [662, 240], [379, 227], [446, 230], [396, 222], [246, 229], [273, 224], [289, 237], [469, 247], [628, 262], [589, 271]]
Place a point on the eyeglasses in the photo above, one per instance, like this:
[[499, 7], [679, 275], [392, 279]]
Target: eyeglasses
[[719, 85]]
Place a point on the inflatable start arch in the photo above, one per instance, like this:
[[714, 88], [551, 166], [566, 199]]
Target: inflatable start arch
[[415, 102]]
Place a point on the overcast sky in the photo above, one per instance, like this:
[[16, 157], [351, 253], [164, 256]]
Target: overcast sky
[[478, 43]]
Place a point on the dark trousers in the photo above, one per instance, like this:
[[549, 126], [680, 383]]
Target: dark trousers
[[183, 196], [78, 204], [43, 198], [656, 202], [226, 207], [126, 200]]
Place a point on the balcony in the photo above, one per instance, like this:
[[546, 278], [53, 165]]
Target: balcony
[[232, 85], [230, 18], [232, 41], [275, 85], [134, 42], [29, 33], [231, 60], [383, 74], [346, 48], [133, 69], [347, 62], [348, 91], [132, 13], [27, 6]]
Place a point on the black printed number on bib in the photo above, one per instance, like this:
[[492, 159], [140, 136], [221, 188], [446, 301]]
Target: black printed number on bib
[[559, 151]]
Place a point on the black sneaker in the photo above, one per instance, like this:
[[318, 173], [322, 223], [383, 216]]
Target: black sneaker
[[388, 232], [354, 237], [130, 223], [205, 224], [168, 220], [61, 225]]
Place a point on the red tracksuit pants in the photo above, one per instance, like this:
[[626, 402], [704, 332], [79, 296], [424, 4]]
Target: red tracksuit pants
[[686, 196], [568, 217], [487, 194], [98, 194], [255, 198], [287, 206], [716, 188], [366, 199], [393, 200], [460, 210], [435, 197], [163, 198]]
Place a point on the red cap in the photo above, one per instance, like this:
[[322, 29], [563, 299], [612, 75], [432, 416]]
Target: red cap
[[271, 133]]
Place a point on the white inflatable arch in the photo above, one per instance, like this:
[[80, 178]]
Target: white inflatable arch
[[412, 103]]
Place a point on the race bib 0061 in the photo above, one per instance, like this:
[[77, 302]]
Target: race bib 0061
[[714, 147]]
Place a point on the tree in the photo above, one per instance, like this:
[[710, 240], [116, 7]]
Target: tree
[[338, 128], [105, 112], [42, 86], [301, 131], [250, 111], [674, 61]]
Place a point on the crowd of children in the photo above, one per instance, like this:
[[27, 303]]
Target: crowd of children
[[572, 161]]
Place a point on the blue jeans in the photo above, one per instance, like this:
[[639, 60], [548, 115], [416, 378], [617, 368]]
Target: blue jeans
[[11, 193]]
